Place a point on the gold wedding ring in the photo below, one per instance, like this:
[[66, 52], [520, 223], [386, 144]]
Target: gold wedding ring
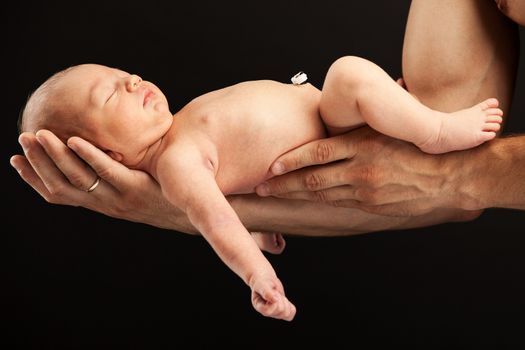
[[95, 184]]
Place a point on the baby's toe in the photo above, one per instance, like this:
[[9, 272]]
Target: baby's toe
[[494, 111], [487, 135], [489, 103], [491, 118], [491, 127]]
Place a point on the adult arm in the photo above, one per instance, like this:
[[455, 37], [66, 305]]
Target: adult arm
[[381, 175], [455, 54], [60, 177]]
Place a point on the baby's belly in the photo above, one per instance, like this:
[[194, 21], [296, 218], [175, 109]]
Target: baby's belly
[[245, 160]]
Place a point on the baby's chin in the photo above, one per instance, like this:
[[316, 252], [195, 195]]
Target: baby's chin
[[163, 107]]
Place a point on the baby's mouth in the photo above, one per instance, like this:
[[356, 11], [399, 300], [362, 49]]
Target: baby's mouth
[[148, 95]]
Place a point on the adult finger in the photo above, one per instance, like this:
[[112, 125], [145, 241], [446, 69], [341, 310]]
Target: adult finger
[[349, 195], [39, 171], [311, 179], [28, 174], [316, 152], [327, 195], [77, 172], [44, 167], [108, 169]]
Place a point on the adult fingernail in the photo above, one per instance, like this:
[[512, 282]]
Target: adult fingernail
[[39, 137], [72, 145], [23, 142], [278, 168], [262, 189], [12, 162]]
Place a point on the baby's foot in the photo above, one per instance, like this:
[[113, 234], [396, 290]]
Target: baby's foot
[[269, 242], [466, 128]]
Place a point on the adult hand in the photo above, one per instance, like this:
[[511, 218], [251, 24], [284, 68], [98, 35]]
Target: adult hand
[[370, 171], [61, 177]]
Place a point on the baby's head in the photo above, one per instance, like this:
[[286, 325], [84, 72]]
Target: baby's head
[[116, 111]]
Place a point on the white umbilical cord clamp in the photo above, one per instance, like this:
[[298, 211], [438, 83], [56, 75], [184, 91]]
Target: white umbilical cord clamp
[[299, 78]]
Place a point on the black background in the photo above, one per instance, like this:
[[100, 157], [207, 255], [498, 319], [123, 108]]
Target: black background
[[75, 278]]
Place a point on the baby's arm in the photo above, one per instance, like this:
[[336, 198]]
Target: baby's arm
[[189, 183]]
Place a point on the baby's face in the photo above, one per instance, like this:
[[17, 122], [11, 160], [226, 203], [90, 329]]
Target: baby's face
[[119, 111]]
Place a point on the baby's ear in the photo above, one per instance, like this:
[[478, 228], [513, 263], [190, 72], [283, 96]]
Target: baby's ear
[[115, 155]]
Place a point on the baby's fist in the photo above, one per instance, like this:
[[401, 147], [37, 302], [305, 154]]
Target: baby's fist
[[268, 299]]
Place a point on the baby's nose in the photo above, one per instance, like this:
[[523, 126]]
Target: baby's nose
[[133, 82]]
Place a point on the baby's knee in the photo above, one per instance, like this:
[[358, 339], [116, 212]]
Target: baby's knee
[[514, 9], [349, 71]]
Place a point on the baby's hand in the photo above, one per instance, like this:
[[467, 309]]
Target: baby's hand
[[269, 242], [268, 298]]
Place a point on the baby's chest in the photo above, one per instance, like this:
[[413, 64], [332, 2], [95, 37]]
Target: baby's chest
[[251, 130]]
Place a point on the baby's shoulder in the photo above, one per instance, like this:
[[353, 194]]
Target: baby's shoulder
[[187, 150]]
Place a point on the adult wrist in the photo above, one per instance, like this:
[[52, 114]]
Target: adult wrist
[[502, 181], [481, 174]]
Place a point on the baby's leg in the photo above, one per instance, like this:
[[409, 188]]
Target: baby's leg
[[269, 242], [357, 91]]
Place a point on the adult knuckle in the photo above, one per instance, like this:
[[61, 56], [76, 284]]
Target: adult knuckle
[[365, 174], [321, 196], [324, 151], [277, 187], [106, 173], [370, 175], [313, 182], [77, 180], [282, 187], [57, 191], [50, 199]]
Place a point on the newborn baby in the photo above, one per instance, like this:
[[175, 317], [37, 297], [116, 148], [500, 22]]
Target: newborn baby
[[225, 141]]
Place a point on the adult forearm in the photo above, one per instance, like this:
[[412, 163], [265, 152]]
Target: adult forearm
[[502, 184], [305, 218]]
